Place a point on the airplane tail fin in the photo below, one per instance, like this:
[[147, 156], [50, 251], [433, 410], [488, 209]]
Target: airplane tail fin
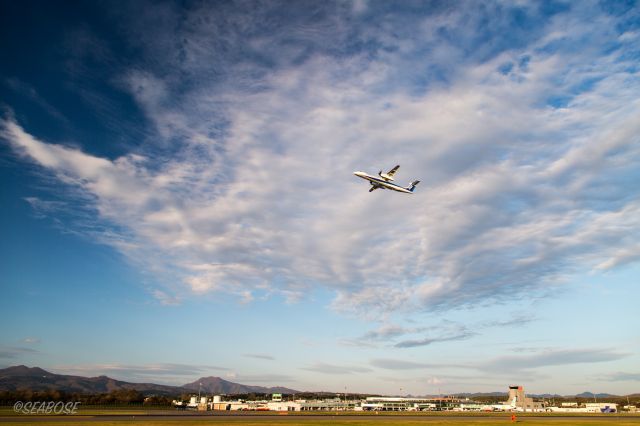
[[413, 185]]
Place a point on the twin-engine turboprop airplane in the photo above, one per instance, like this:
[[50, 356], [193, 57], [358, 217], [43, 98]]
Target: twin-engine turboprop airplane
[[383, 181]]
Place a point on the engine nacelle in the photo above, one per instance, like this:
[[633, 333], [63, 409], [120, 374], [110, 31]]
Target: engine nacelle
[[384, 176]]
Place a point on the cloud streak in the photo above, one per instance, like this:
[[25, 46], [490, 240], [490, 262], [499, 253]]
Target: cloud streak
[[425, 341], [324, 368], [260, 356], [389, 334], [10, 352], [167, 372], [621, 377], [272, 379], [397, 364], [520, 364], [553, 357]]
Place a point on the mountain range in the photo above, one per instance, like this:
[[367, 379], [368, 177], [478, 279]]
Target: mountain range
[[36, 379], [216, 385]]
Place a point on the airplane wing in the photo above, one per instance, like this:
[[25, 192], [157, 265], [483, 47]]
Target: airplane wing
[[373, 188], [393, 171]]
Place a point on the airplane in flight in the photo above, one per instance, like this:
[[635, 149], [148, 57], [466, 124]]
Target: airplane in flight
[[383, 181]]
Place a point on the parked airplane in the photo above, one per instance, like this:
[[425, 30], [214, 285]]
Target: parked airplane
[[384, 181], [505, 406]]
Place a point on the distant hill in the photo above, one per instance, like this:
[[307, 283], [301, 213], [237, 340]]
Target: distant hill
[[36, 379], [545, 395], [596, 395], [216, 385]]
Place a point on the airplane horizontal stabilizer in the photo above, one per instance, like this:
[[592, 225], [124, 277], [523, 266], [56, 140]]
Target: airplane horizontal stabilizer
[[413, 185]]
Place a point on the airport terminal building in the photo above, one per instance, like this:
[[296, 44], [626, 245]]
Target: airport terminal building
[[517, 401]]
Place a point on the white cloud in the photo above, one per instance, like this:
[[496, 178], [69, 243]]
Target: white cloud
[[435, 381], [165, 299], [516, 191]]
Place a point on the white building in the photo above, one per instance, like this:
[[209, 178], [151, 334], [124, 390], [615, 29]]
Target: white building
[[601, 407], [589, 407]]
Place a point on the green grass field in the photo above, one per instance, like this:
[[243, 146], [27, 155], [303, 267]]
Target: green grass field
[[326, 419]]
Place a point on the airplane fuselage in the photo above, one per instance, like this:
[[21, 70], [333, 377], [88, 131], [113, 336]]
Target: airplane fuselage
[[378, 182]]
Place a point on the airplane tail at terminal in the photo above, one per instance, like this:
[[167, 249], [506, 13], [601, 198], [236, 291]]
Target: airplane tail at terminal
[[413, 185]]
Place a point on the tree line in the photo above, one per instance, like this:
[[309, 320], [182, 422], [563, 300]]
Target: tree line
[[124, 397]]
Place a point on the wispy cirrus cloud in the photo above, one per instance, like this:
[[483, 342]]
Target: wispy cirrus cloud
[[166, 299], [14, 352], [620, 377], [389, 334], [550, 358], [514, 321], [272, 379], [397, 336], [324, 368], [524, 365], [424, 341], [31, 93], [45, 208], [398, 364], [173, 373], [389, 331], [260, 356], [528, 156]]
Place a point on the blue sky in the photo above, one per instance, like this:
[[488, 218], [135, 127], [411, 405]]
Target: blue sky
[[178, 197]]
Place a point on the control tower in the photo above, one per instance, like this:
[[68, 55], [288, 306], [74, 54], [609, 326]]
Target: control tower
[[522, 402]]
